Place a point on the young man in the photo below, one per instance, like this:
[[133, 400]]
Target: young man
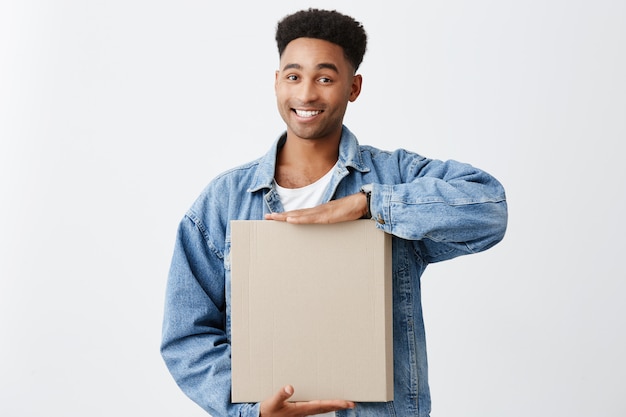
[[316, 172]]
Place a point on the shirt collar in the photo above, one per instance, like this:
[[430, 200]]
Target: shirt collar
[[349, 156]]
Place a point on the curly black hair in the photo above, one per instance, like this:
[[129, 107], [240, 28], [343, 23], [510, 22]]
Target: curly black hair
[[328, 25]]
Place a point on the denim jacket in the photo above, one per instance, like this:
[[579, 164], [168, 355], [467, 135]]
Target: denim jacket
[[434, 210]]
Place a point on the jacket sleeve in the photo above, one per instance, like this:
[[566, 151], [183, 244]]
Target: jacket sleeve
[[448, 208], [195, 346]]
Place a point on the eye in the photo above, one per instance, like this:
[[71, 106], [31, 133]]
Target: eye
[[292, 77], [325, 80]]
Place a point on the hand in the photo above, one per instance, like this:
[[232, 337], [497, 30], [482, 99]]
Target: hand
[[279, 406], [348, 208]]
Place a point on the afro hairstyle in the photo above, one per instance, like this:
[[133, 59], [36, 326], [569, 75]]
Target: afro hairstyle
[[328, 25]]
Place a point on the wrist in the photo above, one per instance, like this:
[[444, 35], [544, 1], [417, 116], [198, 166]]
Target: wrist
[[367, 191]]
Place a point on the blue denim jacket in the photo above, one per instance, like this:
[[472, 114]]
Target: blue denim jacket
[[434, 210]]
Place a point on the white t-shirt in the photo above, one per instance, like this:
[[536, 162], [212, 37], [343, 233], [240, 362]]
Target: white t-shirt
[[306, 197]]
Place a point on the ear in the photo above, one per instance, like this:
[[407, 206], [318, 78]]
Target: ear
[[357, 80]]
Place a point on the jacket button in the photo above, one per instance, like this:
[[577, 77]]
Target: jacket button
[[380, 219]]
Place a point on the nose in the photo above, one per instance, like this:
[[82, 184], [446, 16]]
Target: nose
[[307, 91]]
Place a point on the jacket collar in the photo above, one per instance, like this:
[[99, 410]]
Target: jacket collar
[[349, 156]]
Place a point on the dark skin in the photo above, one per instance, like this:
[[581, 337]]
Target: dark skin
[[313, 86], [279, 405]]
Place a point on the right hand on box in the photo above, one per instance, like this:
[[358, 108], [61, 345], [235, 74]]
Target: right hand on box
[[352, 207], [279, 406]]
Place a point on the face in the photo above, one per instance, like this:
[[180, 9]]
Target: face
[[313, 86]]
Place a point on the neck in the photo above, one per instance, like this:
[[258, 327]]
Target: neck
[[301, 162]]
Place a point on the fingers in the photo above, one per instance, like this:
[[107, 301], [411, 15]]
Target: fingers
[[278, 405], [288, 216], [320, 407], [299, 216], [348, 208]]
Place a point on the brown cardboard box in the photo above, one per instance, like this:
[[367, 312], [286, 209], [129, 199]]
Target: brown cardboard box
[[311, 307]]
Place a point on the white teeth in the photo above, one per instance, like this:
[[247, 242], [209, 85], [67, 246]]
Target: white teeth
[[307, 113]]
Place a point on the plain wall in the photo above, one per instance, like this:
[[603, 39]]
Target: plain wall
[[115, 114]]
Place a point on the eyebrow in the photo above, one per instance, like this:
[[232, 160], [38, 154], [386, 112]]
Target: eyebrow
[[323, 65]]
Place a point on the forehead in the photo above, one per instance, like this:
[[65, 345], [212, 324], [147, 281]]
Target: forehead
[[309, 52]]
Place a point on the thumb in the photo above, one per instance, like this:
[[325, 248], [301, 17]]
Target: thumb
[[285, 393], [276, 402]]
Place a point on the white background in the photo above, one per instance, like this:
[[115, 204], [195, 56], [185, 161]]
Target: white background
[[115, 114]]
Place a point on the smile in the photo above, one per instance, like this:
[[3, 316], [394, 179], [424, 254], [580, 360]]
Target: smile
[[307, 113]]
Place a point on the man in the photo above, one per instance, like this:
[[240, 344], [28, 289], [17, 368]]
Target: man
[[317, 172]]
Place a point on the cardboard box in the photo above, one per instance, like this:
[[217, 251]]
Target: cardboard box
[[311, 307]]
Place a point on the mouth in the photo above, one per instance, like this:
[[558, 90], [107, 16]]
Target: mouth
[[307, 113]]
